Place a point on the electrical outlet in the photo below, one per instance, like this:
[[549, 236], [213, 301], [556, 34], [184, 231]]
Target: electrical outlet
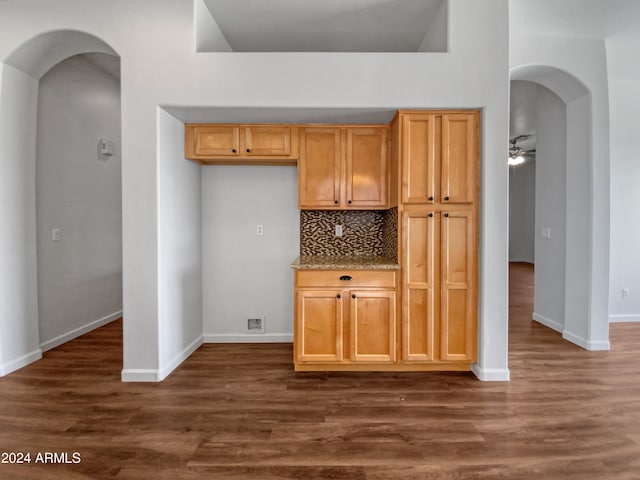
[[55, 235], [338, 230], [259, 230], [625, 292], [546, 232]]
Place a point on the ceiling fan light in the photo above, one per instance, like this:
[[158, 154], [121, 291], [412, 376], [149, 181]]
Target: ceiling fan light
[[516, 160]]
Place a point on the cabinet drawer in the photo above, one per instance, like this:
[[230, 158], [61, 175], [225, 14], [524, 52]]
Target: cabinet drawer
[[359, 278]]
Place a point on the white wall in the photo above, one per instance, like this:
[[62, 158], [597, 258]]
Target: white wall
[[18, 278], [522, 194], [522, 178], [550, 206], [245, 275], [575, 69], [624, 105], [155, 40], [79, 192], [179, 252]]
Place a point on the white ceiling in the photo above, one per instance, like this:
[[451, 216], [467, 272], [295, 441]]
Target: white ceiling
[[581, 18], [324, 25], [576, 18], [197, 114], [523, 113]]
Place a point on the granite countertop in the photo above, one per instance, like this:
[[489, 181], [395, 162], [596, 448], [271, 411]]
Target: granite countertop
[[359, 262]]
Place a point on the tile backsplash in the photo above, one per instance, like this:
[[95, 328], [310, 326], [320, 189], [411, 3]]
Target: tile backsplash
[[365, 232], [390, 234]]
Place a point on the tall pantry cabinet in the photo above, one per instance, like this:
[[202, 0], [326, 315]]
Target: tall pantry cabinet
[[438, 236]]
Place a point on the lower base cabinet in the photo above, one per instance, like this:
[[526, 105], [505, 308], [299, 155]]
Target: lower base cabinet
[[347, 320], [344, 318]]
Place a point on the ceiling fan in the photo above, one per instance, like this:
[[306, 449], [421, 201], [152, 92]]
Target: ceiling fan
[[518, 155]]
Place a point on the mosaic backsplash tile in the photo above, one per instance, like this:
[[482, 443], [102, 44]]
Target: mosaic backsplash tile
[[365, 232], [390, 235]]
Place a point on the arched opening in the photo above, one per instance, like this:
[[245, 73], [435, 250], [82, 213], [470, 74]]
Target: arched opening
[[564, 236], [59, 98], [537, 202]]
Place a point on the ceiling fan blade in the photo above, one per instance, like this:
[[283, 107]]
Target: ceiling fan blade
[[515, 140]]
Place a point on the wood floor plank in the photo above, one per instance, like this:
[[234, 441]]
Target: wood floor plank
[[240, 412]]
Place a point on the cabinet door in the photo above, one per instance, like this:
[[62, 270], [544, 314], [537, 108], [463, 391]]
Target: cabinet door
[[366, 168], [419, 144], [319, 326], [319, 168], [459, 158], [266, 141], [217, 140], [372, 326], [420, 264], [459, 301]]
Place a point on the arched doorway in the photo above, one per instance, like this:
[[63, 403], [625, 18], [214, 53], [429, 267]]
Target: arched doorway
[[584, 256], [21, 71]]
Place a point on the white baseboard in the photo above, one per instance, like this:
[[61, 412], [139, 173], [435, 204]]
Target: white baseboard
[[179, 358], [248, 338], [521, 260], [139, 375], [76, 332], [584, 343], [547, 322], [157, 375], [491, 374], [624, 318], [20, 362]]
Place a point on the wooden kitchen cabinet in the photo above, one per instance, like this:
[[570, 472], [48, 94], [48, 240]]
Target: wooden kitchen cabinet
[[319, 325], [267, 141], [439, 157], [319, 168], [366, 177], [216, 144], [372, 325], [460, 144], [459, 260], [342, 168], [438, 153], [212, 141], [439, 263], [344, 319], [418, 132], [420, 282]]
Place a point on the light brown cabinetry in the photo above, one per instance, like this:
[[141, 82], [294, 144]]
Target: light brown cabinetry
[[319, 168], [439, 199], [344, 319], [372, 322], [241, 144], [439, 265], [319, 326], [439, 157], [343, 168], [420, 284]]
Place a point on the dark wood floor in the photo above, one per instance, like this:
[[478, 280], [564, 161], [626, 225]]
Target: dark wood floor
[[240, 412]]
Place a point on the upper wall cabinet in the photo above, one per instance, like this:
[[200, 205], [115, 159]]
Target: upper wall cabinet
[[319, 168], [343, 168], [439, 157], [241, 144], [460, 140]]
